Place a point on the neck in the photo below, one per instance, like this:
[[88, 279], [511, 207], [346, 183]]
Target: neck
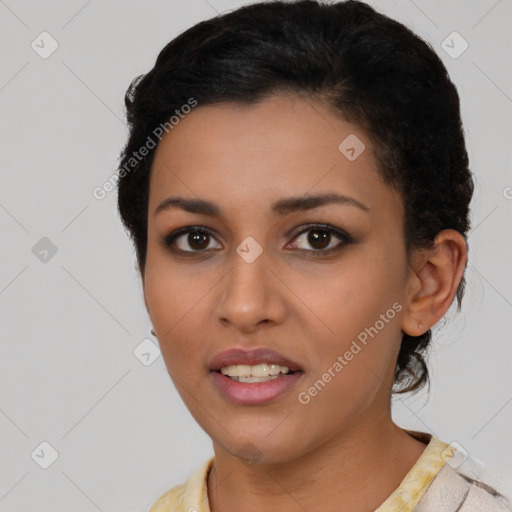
[[360, 468]]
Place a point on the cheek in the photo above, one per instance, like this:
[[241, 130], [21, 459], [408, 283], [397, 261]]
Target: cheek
[[347, 297], [353, 312], [171, 302]]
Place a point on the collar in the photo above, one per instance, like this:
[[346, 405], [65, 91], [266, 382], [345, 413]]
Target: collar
[[193, 495]]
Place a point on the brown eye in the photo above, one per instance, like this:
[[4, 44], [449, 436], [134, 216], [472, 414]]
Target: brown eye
[[197, 240], [320, 238], [189, 240]]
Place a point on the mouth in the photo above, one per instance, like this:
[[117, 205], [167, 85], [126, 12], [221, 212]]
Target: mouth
[[253, 377], [262, 372], [243, 362], [252, 390]]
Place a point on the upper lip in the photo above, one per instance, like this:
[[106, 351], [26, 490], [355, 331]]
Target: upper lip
[[235, 356]]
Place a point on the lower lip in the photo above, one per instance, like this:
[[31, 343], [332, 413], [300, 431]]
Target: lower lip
[[254, 393]]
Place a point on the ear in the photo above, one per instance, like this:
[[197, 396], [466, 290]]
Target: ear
[[435, 276]]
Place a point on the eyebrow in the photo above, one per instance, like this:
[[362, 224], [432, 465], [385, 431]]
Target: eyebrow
[[280, 207]]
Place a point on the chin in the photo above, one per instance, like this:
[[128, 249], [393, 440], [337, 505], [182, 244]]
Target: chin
[[260, 450]]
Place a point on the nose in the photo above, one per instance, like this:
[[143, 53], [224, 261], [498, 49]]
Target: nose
[[251, 295]]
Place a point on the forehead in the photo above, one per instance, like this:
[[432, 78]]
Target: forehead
[[283, 146]]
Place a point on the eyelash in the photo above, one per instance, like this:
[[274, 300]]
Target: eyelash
[[345, 238]]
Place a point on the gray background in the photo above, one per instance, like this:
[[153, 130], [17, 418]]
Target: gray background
[[70, 321]]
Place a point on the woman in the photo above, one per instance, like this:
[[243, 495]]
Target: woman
[[296, 184]]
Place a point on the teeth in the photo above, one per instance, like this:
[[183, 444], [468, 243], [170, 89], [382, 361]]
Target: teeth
[[254, 379], [257, 371]]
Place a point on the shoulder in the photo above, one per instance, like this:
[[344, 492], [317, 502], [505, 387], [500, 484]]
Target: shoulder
[[456, 489], [191, 495], [447, 479], [170, 501], [482, 496]]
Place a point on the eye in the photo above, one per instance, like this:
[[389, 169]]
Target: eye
[[197, 238], [320, 237]]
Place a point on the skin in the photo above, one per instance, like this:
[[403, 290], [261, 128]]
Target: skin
[[309, 308]]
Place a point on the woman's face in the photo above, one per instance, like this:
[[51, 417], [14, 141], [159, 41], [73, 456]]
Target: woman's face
[[270, 278]]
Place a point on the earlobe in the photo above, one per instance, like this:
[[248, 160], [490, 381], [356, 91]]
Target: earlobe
[[435, 281]]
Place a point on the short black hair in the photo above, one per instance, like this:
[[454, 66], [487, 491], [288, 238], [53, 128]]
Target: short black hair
[[370, 69]]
